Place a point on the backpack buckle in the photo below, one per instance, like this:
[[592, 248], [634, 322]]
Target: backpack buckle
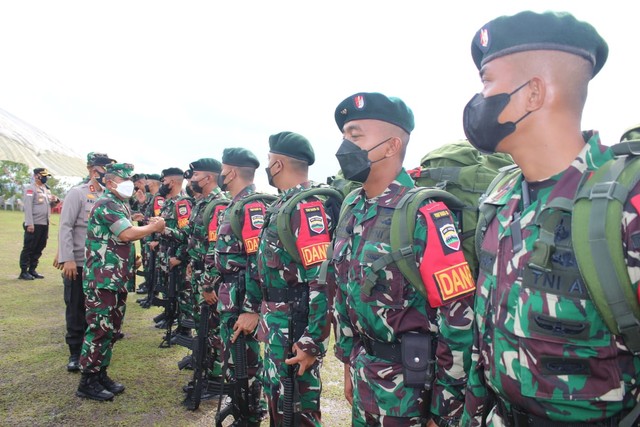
[[603, 190], [631, 335]]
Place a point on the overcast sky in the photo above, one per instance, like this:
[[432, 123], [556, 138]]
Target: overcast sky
[[161, 84]]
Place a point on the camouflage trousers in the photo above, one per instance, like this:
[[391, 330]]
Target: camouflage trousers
[[361, 418], [197, 280], [105, 312], [310, 386], [184, 294], [257, 404]]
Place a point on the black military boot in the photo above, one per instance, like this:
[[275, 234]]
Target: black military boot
[[25, 276], [35, 274], [91, 388], [74, 363], [109, 384]]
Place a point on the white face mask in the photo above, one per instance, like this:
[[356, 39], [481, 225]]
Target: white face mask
[[125, 189]]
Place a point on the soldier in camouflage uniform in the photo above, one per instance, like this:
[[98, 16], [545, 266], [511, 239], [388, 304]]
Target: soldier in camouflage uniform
[[108, 274], [71, 246], [172, 254], [284, 280], [235, 258], [376, 319], [542, 354], [150, 207]]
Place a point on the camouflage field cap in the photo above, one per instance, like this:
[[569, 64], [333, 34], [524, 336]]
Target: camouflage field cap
[[99, 159], [538, 31], [123, 170], [292, 145], [375, 106], [239, 156]]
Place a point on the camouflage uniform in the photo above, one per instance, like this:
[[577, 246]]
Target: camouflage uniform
[[168, 248], [152, 207], [541, 346], [232, 260], [278, 271], [108, 275], [392, 309]]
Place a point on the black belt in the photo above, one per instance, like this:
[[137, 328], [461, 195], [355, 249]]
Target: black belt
[[391, 351], [286, 295], [518, 418]]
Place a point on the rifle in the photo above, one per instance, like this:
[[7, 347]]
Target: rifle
[[200, 358], [171, 303], [240, 393], [150, 279], [291, 398]]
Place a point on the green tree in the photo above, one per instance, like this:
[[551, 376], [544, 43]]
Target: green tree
[[13, 178]]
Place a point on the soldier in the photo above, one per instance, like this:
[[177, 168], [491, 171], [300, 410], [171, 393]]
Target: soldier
[[293, 298], [38, 202], [71, 245], [150, 207], [109, 273], [235, 259], [139, 195], [542, 353], [172, 254], [382, 320]]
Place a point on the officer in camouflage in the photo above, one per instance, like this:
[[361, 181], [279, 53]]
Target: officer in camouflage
[[284, 280], [108, 274], [235, 260], [543, 356], [71, 247], [383, 321], [150, 207]]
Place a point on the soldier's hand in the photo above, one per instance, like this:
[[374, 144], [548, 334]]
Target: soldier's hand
[[431, 423], [152, 245], [157, 224], [137, 216], [138, 262], [245, 324], [304, 360], [30, 228], [70, 270], [140, 196], [210, 297], [348, 385], [173, 261], [189, 269]]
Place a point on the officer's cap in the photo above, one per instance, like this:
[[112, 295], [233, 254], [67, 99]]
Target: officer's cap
[[99, 159], [123, 170], [206, 164], [41, 172], [292, 145], [528, 30], [240, 157], [375, 106]]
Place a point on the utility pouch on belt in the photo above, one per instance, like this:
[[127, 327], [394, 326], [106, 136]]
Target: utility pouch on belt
[[418, 360]]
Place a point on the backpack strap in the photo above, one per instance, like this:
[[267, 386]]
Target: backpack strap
[[207, 215], [599, 251], [403, 225], [283, 217], [236, 212]]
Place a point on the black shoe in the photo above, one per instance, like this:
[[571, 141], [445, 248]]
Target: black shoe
[[183, 332], [35, 274], [109, 384], [91, 388], [74, 363], [25, 276], [142, 289]]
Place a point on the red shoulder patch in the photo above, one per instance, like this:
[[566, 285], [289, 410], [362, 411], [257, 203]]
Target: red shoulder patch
[[30, 193], [444, 270], [213, 224], [635, 202], [313, 236], [158, 203], [253, 222], [183, 211]]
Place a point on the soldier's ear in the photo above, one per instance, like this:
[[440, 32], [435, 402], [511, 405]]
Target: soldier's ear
[[393, 147]]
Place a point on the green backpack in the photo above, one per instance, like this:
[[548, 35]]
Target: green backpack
[[597, 208], [236, 212], [343, 185]]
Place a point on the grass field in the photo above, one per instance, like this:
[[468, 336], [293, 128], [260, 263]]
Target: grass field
[[36, 389]]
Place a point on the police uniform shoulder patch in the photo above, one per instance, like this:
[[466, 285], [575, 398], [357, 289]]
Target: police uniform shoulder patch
[[313, 237], [30, 193]]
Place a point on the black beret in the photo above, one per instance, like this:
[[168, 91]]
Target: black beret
[[153, 176], [240, 157], [171, 172], [375, 106], [538, 31], [206, 165], [293, 145]]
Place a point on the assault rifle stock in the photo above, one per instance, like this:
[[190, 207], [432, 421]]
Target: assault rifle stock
[[291, 398], [199, 359]]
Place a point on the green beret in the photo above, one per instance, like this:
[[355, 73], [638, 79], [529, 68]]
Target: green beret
[[206, 165], [99, 159], [41, 172], [240, 157], [538, 31], [171, 172], [293, 145], [123, 170], [153, 176], [138, 176], [631, 134], [375, 106]]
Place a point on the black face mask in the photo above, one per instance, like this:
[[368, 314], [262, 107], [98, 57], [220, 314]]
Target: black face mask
[[354, 161], [480, 120], [146, 188], [100, 179], [164, 190], [195, 186], [191, 192], [221, 184], [269, 176], [43, 179]]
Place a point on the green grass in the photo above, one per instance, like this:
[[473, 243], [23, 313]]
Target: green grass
[[36, 389]]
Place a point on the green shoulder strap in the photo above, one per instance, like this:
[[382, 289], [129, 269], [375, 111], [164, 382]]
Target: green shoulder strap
[[236, 212], [599, 252], [283, 217], [208, 210]]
